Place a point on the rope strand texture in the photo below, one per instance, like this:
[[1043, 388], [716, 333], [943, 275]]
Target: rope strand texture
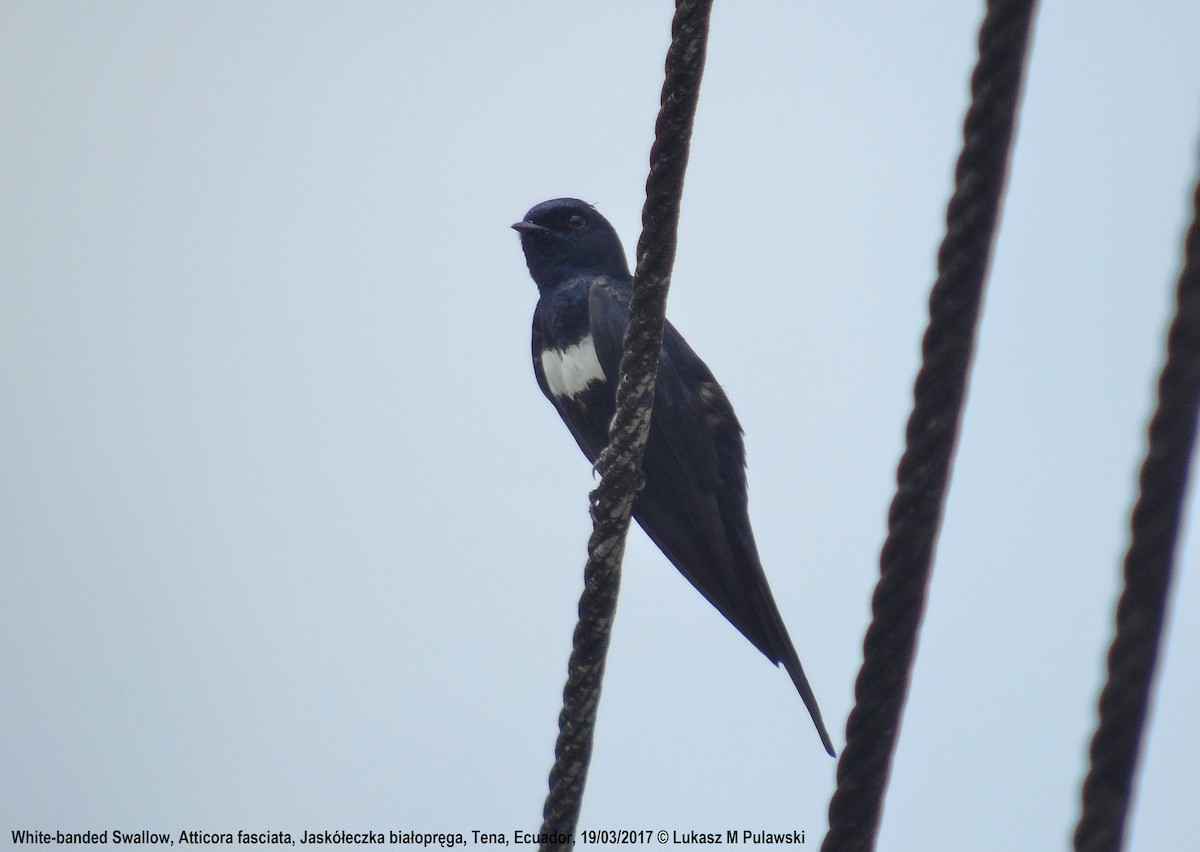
[[621, 462], [1149, 565], [922, 478]]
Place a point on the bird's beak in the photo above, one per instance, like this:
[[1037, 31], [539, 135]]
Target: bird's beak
[[528, 228]]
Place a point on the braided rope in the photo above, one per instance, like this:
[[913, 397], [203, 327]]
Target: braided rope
[[1149, 565], [621, 462], [898, 603]]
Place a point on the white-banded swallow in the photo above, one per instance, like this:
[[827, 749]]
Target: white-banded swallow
[[693, 500]]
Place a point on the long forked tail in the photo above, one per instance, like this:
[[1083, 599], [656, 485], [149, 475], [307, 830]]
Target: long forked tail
[[791, 662]]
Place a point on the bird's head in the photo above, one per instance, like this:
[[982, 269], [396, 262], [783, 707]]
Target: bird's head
[[566, 238]]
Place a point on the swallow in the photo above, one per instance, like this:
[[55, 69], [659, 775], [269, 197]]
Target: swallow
[[693, 502]]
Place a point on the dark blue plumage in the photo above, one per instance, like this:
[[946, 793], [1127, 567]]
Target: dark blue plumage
[[693, 504]]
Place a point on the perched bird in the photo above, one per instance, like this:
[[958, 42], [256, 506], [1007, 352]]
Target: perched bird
[[693, 502]]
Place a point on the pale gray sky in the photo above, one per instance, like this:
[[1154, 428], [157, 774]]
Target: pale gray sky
[[291, 541]]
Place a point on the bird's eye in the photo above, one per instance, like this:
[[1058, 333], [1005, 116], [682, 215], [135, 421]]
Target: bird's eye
[[576, 221]]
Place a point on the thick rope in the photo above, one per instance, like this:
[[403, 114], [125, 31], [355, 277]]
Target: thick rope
[[922, 478], [621, 463], [1149, 564]]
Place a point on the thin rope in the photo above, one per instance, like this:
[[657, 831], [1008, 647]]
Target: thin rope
[[1149, 565], [922, 478], [621, 462]]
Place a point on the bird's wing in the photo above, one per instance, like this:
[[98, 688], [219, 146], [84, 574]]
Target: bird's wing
[[608, 314], [681, 397], [693, 502]]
